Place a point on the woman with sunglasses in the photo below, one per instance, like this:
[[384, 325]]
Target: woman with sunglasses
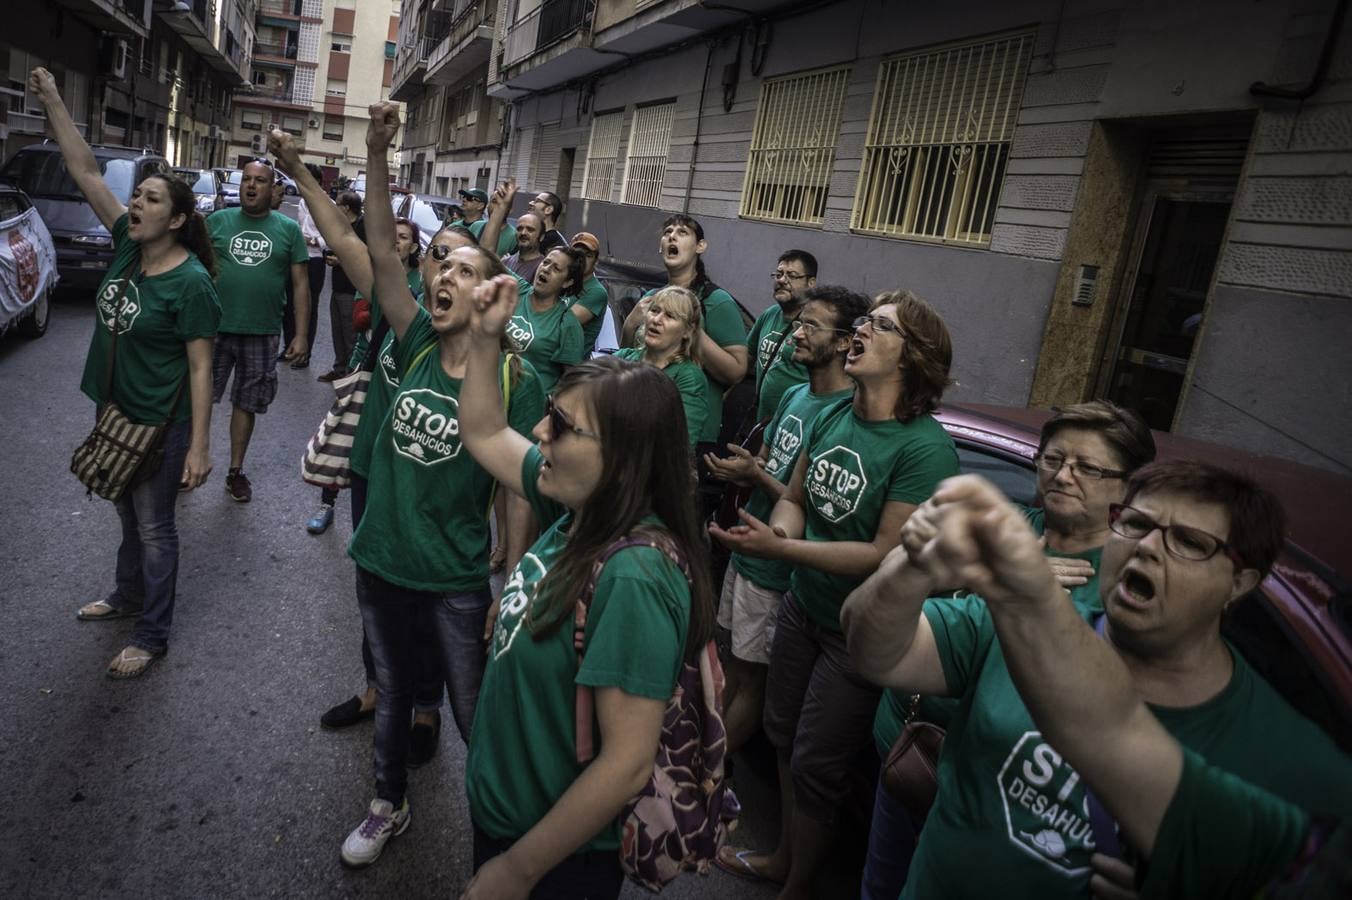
[[867, 462], [1085, 454], [1186, 541], [422, 545], [670, 338], [611, 461]]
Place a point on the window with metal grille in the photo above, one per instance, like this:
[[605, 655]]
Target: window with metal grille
[[793, 146], [603, 149], [645, 165], [938, 140]]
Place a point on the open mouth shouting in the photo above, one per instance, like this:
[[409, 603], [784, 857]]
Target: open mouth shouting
[[1135, 589], [857, 349], [441, 300]]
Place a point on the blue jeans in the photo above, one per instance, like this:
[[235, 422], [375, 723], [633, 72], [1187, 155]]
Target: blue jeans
[[147, 560], [393, 616], [429, 679], [891, 844]]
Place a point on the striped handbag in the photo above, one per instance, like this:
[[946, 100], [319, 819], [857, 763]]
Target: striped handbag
[[327, 460], [118, 449]]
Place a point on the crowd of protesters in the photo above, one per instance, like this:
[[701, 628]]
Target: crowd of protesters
[[869, 587]]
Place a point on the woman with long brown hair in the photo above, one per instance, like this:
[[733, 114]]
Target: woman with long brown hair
[[611, 463], [151, 355]]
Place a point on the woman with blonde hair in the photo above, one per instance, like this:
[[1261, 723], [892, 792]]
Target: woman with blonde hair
[[669, 340]]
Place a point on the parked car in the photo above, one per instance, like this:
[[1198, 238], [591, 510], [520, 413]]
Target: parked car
[[84, 248], [1296, 627], [427, 211], [230, 188], [204, 188], [288, 184], [28, 272]]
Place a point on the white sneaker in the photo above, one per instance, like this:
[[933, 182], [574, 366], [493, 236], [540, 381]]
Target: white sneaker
[[382, 822]]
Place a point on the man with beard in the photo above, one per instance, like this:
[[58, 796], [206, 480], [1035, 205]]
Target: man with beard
[[475, 201], [754, 587], [549, 208], [257, 251], [770, 343], [527, 257]]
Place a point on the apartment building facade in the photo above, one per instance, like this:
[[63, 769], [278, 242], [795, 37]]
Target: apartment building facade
[[317, 66], [452, 138], [1105, 198], [133, 72]]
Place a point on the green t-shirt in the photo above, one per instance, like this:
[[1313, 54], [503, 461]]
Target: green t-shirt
[[156, 317], [254, 259], [523, 751], [689, 380], [891, 717], [722, 321], [594, 300], [426, 520], [1008, 799], [506, 237], [1221, 837], [854, 468], [784, 438], [773, 376], [380, 389], [551, 340]]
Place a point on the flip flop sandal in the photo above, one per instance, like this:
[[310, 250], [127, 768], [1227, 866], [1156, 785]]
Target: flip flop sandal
[[106, 612], [146, 661], [742, 868]]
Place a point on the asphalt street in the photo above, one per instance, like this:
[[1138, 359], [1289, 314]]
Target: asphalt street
[[210, 776]]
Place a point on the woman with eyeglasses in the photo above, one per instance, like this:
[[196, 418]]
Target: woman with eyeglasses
[[611, 462], [670, 336], [1085, 453], [422, 545], [1182, 542], [867, 462]]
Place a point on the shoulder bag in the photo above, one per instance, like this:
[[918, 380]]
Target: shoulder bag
[[119, 452], [910, 772]]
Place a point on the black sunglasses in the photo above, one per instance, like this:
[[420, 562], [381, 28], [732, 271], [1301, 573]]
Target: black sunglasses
[[558, 423], [440, 252]]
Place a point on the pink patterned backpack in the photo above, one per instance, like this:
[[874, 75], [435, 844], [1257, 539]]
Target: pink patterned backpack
[[685, 811]]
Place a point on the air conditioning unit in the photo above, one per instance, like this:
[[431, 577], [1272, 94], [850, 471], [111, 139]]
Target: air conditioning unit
[[258, 143], [214, 132], [314, 123], [115, 56]]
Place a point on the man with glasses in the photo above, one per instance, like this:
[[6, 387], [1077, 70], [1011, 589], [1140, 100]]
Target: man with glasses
[[753, 587], [1186, 541], [770, 343], [257, 251], [475, 202], [549, 208], [592, 303]]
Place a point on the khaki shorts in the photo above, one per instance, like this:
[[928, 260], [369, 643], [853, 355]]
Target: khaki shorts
[[748, 611]]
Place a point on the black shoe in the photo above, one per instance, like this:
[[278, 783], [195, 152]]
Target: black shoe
[[423, 741], [349, 712], [301, 364]]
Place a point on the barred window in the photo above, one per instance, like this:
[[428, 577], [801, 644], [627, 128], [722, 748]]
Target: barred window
[[645, 165], [793, 146], [603, 149], [938, 140]]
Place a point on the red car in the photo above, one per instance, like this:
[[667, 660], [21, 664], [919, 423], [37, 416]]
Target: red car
[[1296, 628]]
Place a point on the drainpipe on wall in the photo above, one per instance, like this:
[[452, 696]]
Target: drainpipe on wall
[[699, 121]]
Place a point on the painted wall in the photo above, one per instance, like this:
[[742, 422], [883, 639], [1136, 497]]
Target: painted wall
[[1093, 59]]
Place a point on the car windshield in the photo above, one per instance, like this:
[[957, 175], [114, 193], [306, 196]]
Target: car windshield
[[236, 178], [426, 217], [202, 182], [45, 175]]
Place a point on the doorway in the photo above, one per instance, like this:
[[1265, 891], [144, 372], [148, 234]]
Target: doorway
[[1185, 195], [1180, 240], [565, 180]]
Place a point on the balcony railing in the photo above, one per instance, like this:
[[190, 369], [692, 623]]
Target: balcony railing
[[281, 51], [412, 55], [551, 23], [288, 8]]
